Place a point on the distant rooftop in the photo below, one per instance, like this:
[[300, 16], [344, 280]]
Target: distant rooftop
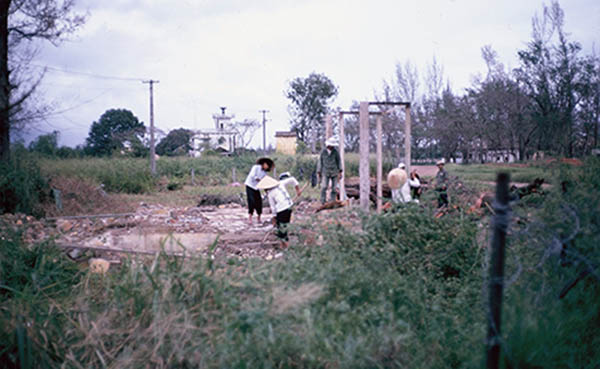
[[285, 134]]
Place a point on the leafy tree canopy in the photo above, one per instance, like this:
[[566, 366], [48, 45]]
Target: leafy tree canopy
[[177, 142], [117, 129], [309, 99], [45, 144]]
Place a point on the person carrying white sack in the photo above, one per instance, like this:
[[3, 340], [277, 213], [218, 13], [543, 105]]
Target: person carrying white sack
[[401, 183]]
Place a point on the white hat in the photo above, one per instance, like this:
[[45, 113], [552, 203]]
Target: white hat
[[267, 183], [396, 178], [401, 166], [284, 175], [440, 162], [331, 141]]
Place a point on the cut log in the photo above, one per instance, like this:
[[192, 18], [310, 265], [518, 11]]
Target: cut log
[[352, 187], [332, 205]]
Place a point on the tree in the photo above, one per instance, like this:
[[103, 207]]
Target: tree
[[554, 76], [246, 130], [116, 129], [177, 142], [309, 99], [45, 144], [22, 22]]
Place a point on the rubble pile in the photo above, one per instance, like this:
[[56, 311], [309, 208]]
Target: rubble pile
[[214, 231], [30, 229]]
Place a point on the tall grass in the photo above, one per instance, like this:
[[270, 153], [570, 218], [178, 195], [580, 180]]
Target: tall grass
[[23, 187], [403, 291], [132, 175], [354, 303]]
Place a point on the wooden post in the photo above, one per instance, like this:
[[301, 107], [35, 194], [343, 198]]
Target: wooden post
[[57, 199], [328, 126], [233, 175], [379, 165], [193, 177], [407, 139], [342, 154], [496, 273], [365, 180]]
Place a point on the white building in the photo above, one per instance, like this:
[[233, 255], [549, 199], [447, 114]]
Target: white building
[[222, 138]]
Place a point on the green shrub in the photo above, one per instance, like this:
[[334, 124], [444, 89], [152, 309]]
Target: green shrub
[[23, 188]]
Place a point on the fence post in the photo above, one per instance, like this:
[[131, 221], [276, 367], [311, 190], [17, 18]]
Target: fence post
[[233, 175], [57, 199], [496, 272], [193, 178]]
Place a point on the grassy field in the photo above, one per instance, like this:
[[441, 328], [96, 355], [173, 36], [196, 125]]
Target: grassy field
[[487, 172], [407, 290], [133, 176]]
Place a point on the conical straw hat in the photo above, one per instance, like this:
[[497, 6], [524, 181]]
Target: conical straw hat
[[267, 183], [396, 178]]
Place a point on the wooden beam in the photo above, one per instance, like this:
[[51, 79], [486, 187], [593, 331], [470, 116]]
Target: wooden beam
[[398, 103], [364, 156], [407, 140], [348, 112], [328, 126], [342, 155], [117, 215], [379, 165]]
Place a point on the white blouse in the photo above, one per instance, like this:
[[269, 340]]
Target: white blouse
[[256, 174], [279, 198]]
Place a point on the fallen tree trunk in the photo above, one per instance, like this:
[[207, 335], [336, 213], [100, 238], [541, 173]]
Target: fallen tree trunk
[[352, 186]]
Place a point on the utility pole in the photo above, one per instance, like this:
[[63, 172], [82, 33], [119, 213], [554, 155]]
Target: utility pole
[[264, 112], [151, 82]]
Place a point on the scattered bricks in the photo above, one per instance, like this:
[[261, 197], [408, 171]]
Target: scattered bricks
[[98, 265], [64, 225]]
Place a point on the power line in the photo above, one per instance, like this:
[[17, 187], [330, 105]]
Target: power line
[[92, 75]]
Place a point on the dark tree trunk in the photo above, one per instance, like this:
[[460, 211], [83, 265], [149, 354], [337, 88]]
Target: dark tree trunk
[[4, 83]]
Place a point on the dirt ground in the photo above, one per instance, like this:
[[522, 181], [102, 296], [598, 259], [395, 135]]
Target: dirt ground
[[425, 170], [210, 231], [217, 227]]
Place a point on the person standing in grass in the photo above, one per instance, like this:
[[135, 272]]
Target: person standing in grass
[[281, 203], [329, 168], [441, 184], [258, 172]]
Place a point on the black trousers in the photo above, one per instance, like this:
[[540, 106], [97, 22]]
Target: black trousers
[[442, 198], [283, 219], [254, 200]]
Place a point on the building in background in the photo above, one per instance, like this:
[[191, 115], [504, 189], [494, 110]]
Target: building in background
[[285, 142], [222, 138]]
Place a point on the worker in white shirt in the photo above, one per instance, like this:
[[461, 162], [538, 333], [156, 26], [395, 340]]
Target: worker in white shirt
[[402, 194], [286, 179], [280, 203], [258, 171]]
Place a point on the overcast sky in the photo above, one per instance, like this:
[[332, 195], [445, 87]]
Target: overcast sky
[[243, 53]]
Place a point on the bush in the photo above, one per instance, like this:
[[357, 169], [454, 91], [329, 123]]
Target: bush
[[23, 188]]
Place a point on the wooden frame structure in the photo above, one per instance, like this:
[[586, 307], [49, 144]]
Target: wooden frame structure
[[364, 169]]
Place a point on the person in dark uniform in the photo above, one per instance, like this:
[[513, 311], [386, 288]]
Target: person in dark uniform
[[441, 184]]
